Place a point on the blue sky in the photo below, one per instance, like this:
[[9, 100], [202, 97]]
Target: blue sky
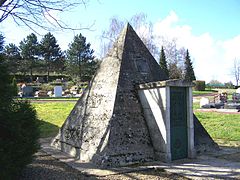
[[210, 29]]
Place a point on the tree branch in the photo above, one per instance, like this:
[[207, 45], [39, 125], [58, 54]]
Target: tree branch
[[38, 12]]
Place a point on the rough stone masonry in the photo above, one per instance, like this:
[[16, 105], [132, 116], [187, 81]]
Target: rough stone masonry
[[107, 125]]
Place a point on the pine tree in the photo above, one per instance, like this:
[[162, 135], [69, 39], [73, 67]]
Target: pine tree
[[19, 131], [189, 74], [29, 51], [51, 52], [13, 58], [80, 58], [1, 43], [14, 86], [163, 62]]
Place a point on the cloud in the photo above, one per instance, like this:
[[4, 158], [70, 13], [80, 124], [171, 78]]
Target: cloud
[[231, 48], [212, 59]]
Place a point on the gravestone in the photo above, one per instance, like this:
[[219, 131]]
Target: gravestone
[[238, 90], [27, 91], [107, 126], [203, 101], [40, 80], [58, 91]]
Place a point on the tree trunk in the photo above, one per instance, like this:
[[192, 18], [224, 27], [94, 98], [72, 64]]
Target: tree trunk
[[31, 74], [48, 68], [79, 69]]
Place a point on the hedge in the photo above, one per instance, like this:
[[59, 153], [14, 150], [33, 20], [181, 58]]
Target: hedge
[[199, 85]]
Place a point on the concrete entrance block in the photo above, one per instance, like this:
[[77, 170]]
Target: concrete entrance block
[[158, 111]]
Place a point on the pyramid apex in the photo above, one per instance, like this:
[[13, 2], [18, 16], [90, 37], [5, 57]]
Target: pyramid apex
[[129, 27]]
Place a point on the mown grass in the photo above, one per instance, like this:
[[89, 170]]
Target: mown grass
[[49, 98], [196, 105], [221, 126], [52, 115], [195, 93]]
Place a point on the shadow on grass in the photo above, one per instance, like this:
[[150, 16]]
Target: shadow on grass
[[47, 129]]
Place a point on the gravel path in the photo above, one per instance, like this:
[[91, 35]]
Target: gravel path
[[45, 167]]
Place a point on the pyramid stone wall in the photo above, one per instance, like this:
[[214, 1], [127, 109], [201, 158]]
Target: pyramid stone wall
[[202, 140], [107, 125], [129, 139]]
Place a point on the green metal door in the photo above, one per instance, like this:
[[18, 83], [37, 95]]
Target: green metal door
[[178, 123]]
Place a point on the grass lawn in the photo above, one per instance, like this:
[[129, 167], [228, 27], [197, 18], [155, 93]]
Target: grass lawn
[[224, 127], [195, 93], [52, 115], [196, 105], [49, 98], [221, 126]]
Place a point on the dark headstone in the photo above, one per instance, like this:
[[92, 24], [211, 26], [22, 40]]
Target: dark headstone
[[27, 91]]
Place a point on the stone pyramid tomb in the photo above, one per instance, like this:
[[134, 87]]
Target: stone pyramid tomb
[[107, 126]]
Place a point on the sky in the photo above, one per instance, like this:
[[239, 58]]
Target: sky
[[210, 29]]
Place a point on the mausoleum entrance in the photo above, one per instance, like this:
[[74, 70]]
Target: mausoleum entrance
[[178, 123], [167, 107]]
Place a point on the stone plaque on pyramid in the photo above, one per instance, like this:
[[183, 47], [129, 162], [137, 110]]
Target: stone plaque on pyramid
[[107, 126]]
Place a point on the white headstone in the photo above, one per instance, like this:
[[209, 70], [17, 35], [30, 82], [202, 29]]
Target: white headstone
[[238, 90], [204, 101], [58, 91]]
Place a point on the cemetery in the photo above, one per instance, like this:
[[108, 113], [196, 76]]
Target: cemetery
[[118, 140], [58, 88], [222, 101], [132, 117], [119, 90]]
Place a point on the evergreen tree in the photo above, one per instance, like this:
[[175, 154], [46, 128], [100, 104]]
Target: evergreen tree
[[1, 43], [19, 131], [13, 58], [80, 58], [52, 54], [14, 86], [163, 62], [189, 72], [29, 51]]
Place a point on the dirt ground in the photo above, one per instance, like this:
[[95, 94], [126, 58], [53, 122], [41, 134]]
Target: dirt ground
[[46, 167]]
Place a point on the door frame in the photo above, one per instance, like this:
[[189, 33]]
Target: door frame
[[155, 100], [190, 125]]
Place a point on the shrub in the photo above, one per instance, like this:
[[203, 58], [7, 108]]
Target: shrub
[[27, 78], [18, 130], [18, 141], [56, 83], [47, 87], [199, 85], [15, 87], [69, 84]]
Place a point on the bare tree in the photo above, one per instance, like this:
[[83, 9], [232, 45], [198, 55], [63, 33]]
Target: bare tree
[[37, 13], [139, 22], [236, 70], [109, 36], [175, 57]]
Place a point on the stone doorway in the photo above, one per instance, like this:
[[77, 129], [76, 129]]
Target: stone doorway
[[167, 107]]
